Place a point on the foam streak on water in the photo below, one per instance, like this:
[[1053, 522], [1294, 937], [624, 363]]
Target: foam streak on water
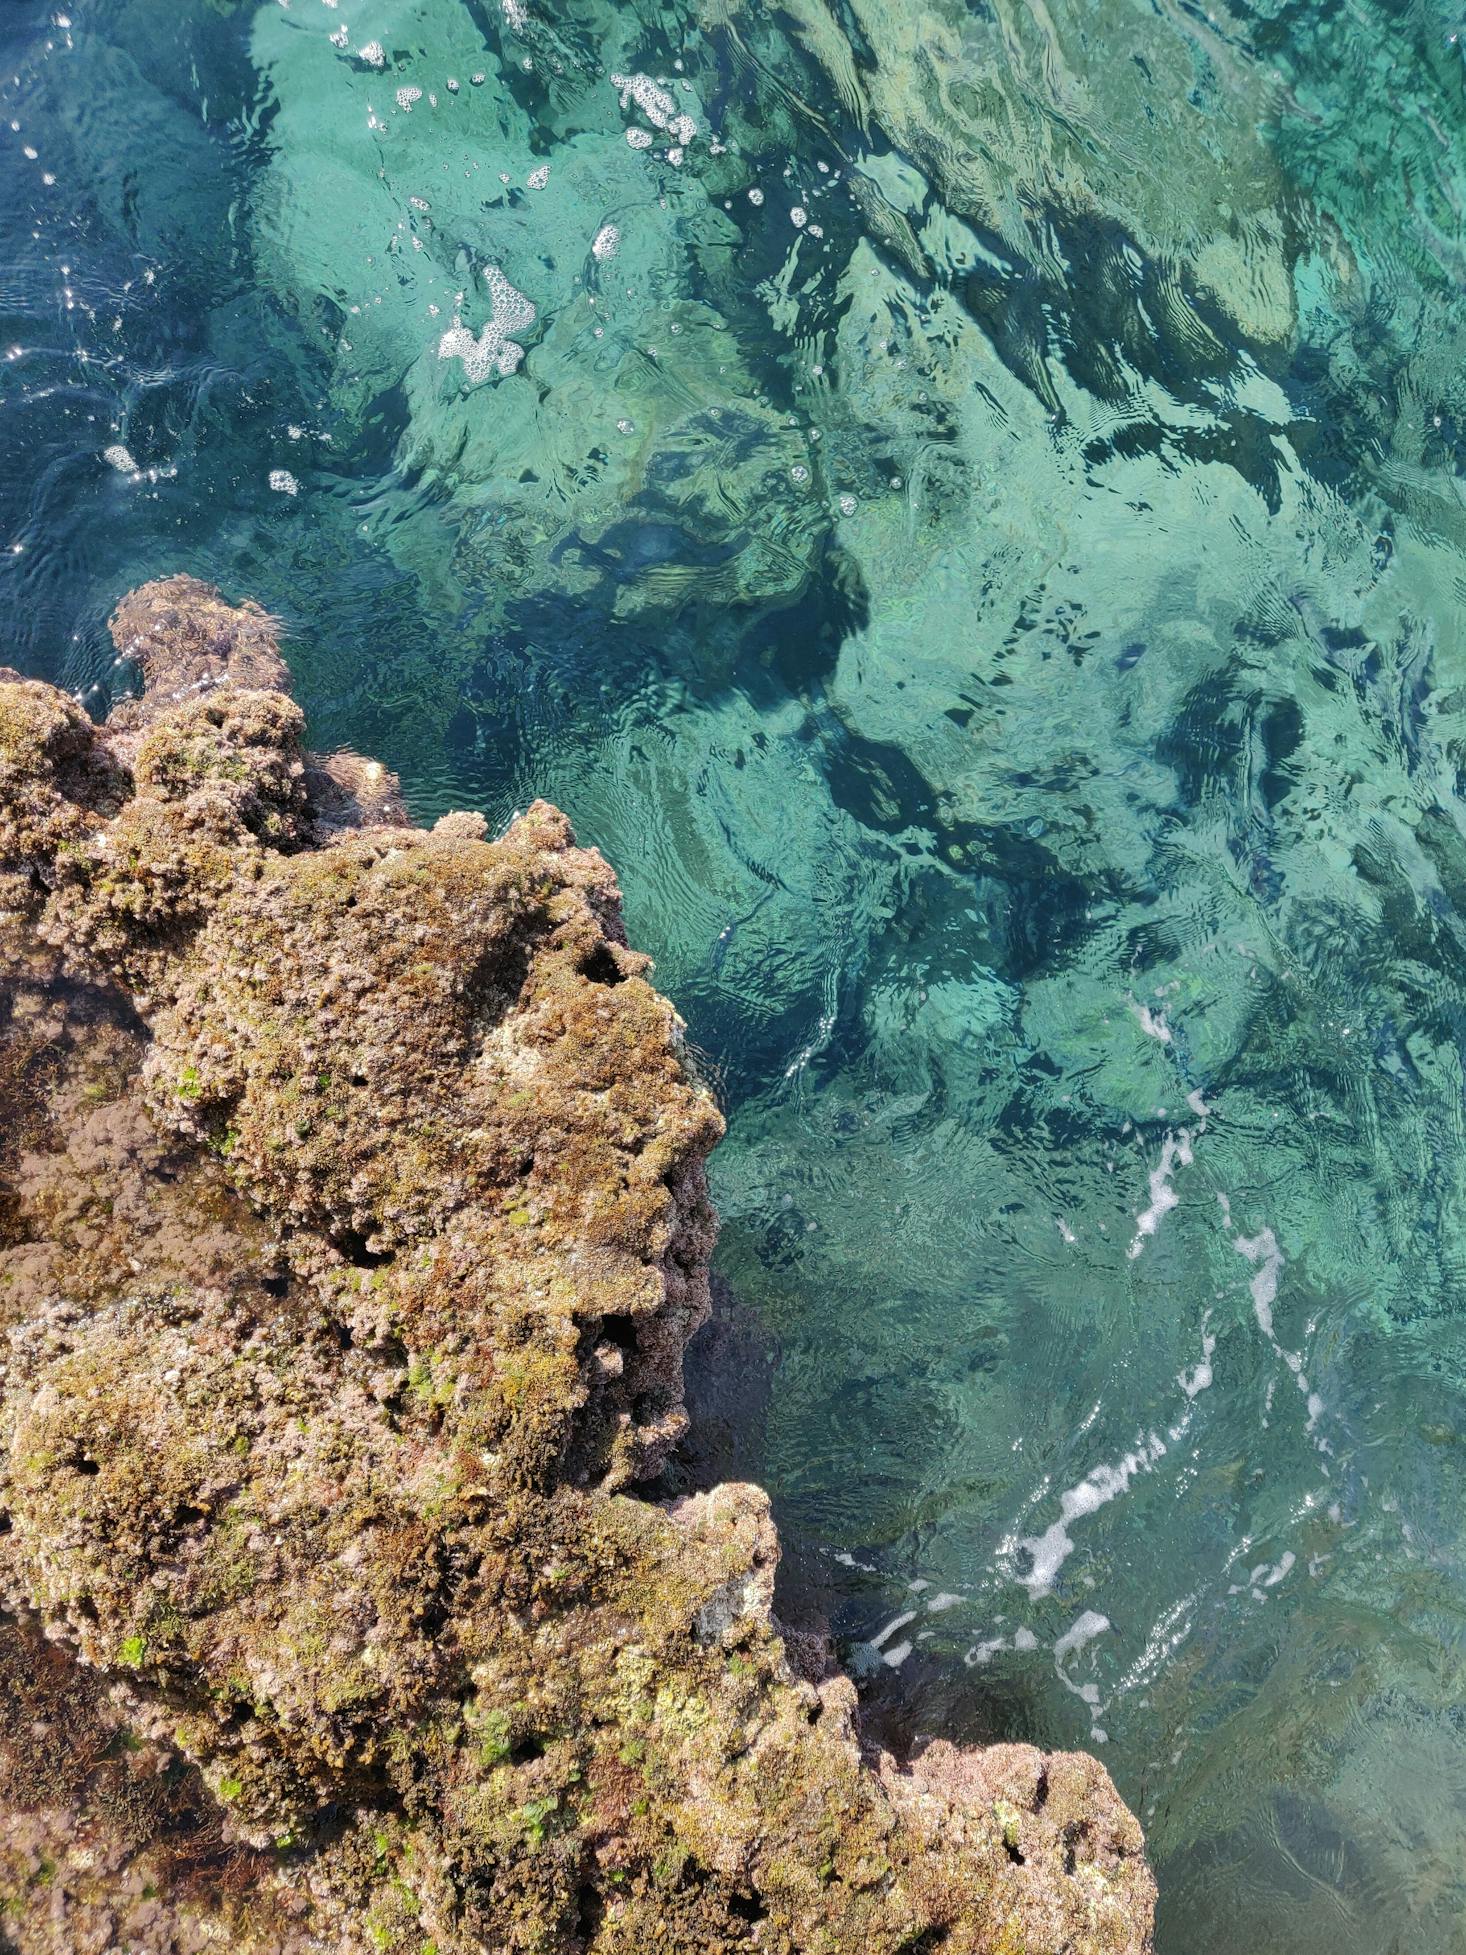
[[963, 504]]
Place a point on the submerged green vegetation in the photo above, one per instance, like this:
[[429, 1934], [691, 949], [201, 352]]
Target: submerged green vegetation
[[962, 503]]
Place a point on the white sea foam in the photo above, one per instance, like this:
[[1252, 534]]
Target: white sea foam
[[1153, 1024], [1022, 1639], [1083, 1630], [494, 350], [120, 458], [1263, 1249], [1175, 1153], [1199, 1377], [283, 482], [659, 108], [1050, 1550], [880, 1640], [606, 243]]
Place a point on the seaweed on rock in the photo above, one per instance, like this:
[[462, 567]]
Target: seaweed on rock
[[353, 1223]]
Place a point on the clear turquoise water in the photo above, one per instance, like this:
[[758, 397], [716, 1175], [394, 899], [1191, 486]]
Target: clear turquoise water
[[1006, 631]]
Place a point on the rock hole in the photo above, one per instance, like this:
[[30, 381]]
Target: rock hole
[[186, 1515], [601, 967], [590, 1912], [526, 1750], [1018, 1858], [747, 1907], [432, 1618], [1041, 1790], [352, 1246], [620, 1330], [87, 1467], [275, 1286], [926, 1941]]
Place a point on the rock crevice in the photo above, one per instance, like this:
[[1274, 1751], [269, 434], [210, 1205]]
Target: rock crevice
[[353, 1224]]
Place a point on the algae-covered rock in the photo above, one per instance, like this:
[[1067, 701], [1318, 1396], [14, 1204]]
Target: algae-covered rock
[[353, 1223]]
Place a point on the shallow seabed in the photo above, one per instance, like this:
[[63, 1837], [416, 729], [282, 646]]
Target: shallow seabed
[[963, 503]]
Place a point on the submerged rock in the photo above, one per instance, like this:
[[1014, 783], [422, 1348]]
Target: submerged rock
[[353, 1223]]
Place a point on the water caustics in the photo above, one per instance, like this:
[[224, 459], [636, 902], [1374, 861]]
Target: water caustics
[[963, 503]]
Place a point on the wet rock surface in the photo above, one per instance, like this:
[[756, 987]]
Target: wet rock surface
[[353, 1224]]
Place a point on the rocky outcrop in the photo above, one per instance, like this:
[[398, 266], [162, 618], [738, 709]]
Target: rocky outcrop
[[353, 1222]]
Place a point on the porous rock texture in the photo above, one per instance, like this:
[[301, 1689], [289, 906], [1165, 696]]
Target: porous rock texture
[[353, 1222]]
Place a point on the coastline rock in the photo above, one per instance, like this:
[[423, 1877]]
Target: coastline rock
[[353, 1224]]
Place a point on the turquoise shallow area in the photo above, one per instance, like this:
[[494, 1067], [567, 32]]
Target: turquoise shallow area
[[966, 509]]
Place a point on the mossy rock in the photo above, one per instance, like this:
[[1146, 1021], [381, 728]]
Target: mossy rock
[[350, 1241]]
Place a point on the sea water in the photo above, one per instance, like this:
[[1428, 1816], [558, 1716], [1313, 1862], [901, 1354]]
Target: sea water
[[963, 501]]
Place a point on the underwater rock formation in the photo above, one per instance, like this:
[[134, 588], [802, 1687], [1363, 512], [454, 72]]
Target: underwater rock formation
[[353, 1223]]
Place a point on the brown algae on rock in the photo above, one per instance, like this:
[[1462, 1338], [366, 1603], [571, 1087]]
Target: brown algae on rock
[[353, 1224]]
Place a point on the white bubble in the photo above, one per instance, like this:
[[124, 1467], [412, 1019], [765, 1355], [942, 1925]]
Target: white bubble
[[537, 179], [847, 505], [639, 138], [283, 482], [606, 243], [373, 54], [119, 458], [799, 217], [407, 96], [755, 196]]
